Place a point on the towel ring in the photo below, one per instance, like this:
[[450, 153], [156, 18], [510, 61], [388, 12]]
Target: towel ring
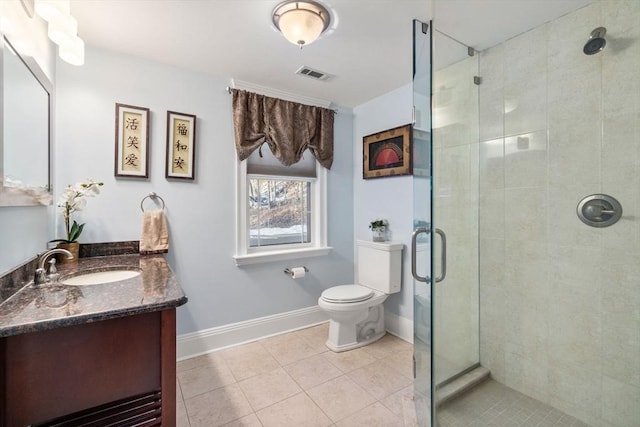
[[153, 196]]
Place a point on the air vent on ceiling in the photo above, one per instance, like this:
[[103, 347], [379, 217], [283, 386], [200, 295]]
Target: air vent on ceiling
[[313, 74]]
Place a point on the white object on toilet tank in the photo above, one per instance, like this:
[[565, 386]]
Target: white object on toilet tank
[[380, 265]]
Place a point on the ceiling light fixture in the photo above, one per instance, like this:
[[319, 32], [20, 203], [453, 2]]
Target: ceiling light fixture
[[72, 51], [301, 22], [62, 30], [50, 9]]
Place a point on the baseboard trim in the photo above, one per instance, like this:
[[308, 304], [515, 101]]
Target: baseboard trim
[[213, 339], [217, 338], [401, 327]]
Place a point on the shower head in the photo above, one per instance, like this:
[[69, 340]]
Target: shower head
[[596, 41]]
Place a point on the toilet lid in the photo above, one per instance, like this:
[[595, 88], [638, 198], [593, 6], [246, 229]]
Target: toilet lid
[[347, 293]]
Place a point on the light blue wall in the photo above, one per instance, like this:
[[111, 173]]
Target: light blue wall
[[389, 198], [201, 214], [25, 232]]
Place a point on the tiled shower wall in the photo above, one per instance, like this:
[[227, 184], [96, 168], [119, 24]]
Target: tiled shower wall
[[560, 301]]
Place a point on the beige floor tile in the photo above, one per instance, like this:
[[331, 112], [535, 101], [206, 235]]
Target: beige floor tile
[[248, 421], [207, 394], [320, 331], [289, 348], [316, 336], [248, 360], [379, 379], [347, 361], [205, 378], [396, 402], [375, 415], [196, 362], [409, 413], [298, 410], [179, 397], [340, 397], [312, 371], [386, 346], [266, 389], [182, 420], [217, 407], [402, 362]]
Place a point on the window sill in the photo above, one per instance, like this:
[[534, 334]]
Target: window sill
[[258, 258]]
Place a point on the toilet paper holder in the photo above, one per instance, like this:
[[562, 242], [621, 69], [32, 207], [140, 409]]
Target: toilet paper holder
[[289, 271]]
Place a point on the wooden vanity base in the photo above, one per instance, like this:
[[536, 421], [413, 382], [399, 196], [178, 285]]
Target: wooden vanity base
[[53, 373]]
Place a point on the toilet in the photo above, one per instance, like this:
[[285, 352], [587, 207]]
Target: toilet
[[356, 313]]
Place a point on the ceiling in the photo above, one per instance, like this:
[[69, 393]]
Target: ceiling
[[367, 49]]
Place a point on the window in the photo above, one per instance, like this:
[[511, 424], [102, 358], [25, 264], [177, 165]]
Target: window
[[281, 209]]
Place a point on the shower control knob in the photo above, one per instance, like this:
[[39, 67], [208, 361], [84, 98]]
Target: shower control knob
[[595, 210], [599, 210]]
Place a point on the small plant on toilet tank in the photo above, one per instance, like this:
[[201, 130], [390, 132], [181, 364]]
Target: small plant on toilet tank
[[379, 228]]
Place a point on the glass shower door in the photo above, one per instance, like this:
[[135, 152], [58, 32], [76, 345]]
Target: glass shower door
[[445, 212], [421, 242], [455, 209]]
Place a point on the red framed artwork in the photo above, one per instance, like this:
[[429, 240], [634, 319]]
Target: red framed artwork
[[387, 153]]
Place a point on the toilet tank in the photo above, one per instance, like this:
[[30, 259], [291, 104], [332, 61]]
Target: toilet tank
[[380, 265]]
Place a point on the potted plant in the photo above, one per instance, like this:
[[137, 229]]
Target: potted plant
[[420, 223], [378, 228], [73, 200]]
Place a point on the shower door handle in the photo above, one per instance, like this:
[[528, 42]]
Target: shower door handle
[[443, 259], [414, 241]]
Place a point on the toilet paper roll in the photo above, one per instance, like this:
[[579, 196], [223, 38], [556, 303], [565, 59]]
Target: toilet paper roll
[[298, 272]]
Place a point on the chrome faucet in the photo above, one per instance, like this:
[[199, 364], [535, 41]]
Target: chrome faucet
[[41, 276]]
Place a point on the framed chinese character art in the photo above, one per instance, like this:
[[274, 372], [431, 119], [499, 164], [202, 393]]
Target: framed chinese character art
[[132, 141], [181, 145], [387, 153]]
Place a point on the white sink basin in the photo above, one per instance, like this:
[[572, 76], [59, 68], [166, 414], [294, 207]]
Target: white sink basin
[[99, 277]]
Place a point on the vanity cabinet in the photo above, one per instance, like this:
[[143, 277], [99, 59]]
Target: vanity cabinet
[[123, 365]]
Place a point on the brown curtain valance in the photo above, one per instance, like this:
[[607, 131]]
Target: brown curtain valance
[[287, 127]]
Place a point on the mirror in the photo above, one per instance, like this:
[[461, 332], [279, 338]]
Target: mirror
[[24, 158]]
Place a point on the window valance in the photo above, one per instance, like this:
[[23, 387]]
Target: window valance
[[289, 128]]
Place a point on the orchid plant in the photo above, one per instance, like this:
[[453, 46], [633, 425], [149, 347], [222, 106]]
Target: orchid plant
[[73, 199]]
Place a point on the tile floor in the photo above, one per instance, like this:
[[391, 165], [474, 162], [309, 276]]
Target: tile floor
[[294, 380], [494, 404]]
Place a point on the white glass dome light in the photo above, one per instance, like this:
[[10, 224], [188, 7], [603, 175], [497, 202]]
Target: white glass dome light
[[301, 22]]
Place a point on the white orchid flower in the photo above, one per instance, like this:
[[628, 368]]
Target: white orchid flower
[[73, 199]]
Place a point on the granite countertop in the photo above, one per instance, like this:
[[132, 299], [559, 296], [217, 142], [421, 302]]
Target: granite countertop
[[36, 308]]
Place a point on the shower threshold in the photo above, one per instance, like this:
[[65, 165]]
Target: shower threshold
[[455, 387]]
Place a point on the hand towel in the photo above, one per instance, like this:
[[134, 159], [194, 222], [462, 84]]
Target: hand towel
[[155, 234]]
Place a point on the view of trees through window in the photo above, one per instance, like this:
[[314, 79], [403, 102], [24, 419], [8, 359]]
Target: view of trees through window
[[279, 212]]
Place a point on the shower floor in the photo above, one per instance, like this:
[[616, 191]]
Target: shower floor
[[493, 404]]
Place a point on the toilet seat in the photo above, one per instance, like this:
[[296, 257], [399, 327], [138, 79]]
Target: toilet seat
[[347, 294]]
